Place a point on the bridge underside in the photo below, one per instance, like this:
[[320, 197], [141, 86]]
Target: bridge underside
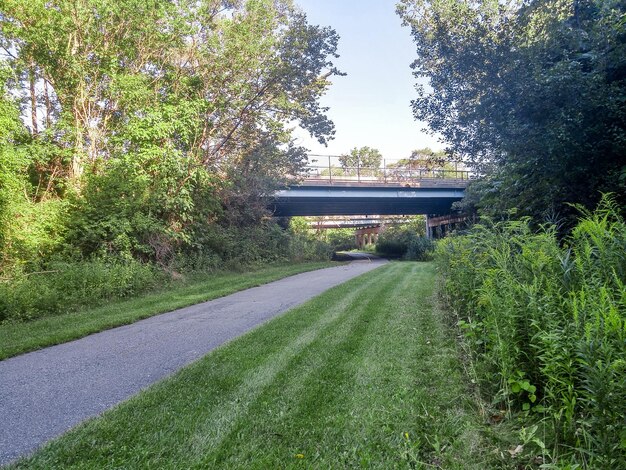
[[316, 200]]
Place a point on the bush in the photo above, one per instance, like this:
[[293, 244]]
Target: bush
[[341, 239], [419, 249], [67, 286], [545, 324], [61, 286], [405, 244]]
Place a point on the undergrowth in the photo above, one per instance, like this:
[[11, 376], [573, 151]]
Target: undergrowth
[[58, 286], [544, 320]]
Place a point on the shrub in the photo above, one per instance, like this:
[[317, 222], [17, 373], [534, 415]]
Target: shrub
[[341, 239], [65, 286], [405, 244], [62, 286], [545, 323]]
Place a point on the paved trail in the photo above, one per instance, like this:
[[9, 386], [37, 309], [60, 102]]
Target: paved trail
[[46, 392]]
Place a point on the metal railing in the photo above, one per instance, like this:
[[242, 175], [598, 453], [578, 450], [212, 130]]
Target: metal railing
[[391, 172]]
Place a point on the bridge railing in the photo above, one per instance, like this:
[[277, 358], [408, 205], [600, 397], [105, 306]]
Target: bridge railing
[[390, 173]]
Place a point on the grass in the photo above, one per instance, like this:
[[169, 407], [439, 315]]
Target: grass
[[18, 338], [364, 375]]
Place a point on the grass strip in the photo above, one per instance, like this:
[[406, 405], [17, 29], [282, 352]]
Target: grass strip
[[364, 375], [18, 338]]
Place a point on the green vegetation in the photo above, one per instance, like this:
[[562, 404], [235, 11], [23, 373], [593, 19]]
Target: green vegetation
[[530, 93], [340, 239], [337, 239], [407, 241], [142, 139], [365, 375], [424, 162], [545, 324], [69, 286], [20, 337], [364, 157]]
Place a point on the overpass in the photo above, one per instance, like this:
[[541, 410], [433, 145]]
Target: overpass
[[400, 188], [315, 198]]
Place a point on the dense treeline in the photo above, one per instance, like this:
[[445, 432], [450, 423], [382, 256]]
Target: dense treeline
[[531, 93], [135, 132], [545, 325]]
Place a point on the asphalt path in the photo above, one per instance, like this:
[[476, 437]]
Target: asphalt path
[[46, 392]]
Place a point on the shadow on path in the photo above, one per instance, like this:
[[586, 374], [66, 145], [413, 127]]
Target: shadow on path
[[355, 256]]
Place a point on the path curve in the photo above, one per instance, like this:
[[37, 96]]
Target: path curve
[[46, 392]]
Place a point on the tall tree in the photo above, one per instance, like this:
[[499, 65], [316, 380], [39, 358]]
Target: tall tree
[[530, 92], [364, 157], [424, 159], [203, 77], [165, 115]]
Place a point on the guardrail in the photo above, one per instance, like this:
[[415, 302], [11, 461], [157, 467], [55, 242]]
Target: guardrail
[[390, 173]]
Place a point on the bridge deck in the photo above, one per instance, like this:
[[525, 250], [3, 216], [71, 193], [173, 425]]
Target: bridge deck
[[365, 199]]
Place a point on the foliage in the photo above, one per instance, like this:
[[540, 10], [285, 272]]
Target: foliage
[[546, 326], [71, 285], [424, 159], [307, 243], [531, 93], [68, 286], [340, 239], [31, 214], [143, 207], [151, 132], [364, 157], [407, 241], [19, 337]]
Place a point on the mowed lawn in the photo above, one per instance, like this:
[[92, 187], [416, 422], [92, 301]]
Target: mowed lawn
[[365, 375]]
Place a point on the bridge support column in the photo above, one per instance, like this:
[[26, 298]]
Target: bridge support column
[[439, 227], [367, 236]]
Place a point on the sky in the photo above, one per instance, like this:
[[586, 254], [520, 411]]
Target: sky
[[371, 106]]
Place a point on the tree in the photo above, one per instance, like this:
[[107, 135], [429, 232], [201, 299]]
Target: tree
[[530, 93], [364, 157], [202, 77], [424, 159], [158, 118]]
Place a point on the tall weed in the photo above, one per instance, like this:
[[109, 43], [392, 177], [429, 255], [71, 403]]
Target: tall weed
[[546, 321], [63, 286], [66, 286]]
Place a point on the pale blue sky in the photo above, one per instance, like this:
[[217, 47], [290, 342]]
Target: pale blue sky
[[372, 104]]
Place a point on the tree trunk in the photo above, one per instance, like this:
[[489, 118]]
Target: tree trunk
[[33, 99], [48, 105]]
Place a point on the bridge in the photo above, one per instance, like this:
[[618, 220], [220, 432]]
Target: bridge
[[366, 228], [391, 190], [325, 223]]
